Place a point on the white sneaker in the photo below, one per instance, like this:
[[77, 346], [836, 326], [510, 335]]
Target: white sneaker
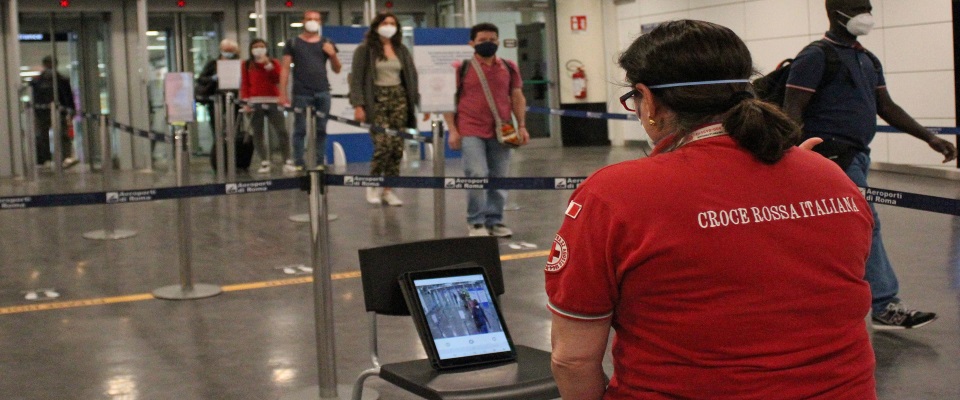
[[477, 230], [264, 167], [290, 167], [501, 230], [373, 195], [69, 162], [391, 198]]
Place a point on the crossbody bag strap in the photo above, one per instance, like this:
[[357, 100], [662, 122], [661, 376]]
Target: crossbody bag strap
[[487, 93]]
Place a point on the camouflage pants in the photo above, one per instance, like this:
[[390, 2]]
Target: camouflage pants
[[390, 111]]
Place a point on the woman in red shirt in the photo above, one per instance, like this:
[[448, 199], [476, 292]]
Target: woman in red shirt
[[729, 263], [260, 77]]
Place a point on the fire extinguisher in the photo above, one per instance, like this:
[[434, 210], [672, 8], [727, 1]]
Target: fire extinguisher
[[579, 78]]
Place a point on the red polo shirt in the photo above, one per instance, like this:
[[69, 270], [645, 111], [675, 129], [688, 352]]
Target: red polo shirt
[[473, 112], [725, 278]]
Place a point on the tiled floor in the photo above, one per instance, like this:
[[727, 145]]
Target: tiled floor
[[258, 343]]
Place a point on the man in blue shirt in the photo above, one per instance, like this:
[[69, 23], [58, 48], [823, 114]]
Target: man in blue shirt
[[309, 53], [842, 110]]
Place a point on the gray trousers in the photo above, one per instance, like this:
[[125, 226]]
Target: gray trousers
[[275, 117]]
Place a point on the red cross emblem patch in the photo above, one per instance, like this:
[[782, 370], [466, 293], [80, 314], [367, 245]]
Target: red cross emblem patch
[[558, 255]]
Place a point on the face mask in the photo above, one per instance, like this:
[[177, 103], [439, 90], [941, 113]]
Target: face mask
[[227, 54], [311, 26], [259, 51], [860, 24], [387, 31], [486, 49]]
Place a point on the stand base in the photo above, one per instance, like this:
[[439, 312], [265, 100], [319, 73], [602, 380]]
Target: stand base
[[115, 234], [304, 218], [176, 292], [345, 392]]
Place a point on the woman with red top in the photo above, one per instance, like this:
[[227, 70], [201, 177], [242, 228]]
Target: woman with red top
[[729, 263], [260, 76]]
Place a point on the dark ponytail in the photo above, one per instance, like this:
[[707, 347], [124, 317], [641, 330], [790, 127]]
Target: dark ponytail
[[762, 129], [697, 51]]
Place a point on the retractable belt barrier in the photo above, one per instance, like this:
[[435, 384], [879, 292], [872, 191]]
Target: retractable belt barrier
[[938, 130], [914, 201], [152, 135], [410, 134]]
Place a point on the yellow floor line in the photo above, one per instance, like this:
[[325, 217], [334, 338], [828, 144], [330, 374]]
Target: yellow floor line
[[100, 301]]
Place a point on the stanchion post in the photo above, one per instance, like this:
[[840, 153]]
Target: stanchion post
[[183, 213], [311, 157], [439, 167], [186, 289], [109, 231], [322, 285], [106, 168], [30, 142], [218, 142], [57, 143], [311, 123], [231, 115]]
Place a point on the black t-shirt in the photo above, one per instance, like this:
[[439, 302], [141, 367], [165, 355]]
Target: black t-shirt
[[309, 65]]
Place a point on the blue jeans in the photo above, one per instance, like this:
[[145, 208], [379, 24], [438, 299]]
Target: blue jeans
[[321, 102], [485, 158], [879, 274]]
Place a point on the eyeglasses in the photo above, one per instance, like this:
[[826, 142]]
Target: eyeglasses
[[627, 97]]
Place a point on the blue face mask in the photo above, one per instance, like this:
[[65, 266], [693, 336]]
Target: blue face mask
[[486, 49]]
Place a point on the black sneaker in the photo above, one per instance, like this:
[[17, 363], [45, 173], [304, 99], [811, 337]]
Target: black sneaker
[[896, 316]]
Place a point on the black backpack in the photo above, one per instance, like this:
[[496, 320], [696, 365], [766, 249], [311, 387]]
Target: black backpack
[[772, 87]]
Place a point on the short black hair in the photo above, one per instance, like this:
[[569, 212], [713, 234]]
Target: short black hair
[[483, 27]]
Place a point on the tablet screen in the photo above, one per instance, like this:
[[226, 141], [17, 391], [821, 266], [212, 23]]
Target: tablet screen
[[462, 316]]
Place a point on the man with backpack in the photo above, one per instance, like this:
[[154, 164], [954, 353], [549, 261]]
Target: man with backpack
[[487, 83], [835, 89]]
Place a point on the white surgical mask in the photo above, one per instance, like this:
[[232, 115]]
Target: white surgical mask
[[227, 54], [860, 24], [387, 31], [311, 26], [259, 51]]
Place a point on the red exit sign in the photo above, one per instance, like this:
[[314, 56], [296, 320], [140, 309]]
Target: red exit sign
[[578, 23]]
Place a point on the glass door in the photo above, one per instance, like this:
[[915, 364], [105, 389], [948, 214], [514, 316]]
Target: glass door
[[77, 45], [181, 42]]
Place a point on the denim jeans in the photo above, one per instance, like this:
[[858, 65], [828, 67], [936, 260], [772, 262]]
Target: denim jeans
[[485, 158], [320, 102], [879, 274]]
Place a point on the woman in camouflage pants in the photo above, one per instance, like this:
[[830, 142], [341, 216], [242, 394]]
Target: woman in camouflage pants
[[383, 90]]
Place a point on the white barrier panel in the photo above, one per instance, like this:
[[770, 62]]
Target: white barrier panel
[[339, 155]]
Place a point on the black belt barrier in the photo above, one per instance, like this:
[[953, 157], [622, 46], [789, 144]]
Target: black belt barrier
[[914, 201]]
